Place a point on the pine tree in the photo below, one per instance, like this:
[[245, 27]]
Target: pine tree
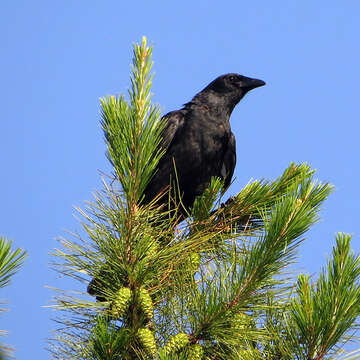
[[215, 286]]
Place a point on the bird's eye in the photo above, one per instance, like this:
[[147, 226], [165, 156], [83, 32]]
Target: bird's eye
[[232, 78]]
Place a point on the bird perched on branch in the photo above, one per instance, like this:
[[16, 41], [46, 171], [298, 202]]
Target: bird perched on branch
[[198, 144], [199, 141]]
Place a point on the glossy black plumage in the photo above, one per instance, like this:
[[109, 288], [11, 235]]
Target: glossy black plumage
[[198, 139]]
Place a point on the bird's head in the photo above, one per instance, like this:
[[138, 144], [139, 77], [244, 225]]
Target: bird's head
[[234, 84], [231, 88]]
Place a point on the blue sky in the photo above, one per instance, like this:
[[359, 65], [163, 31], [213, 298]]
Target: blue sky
[[58, 58]]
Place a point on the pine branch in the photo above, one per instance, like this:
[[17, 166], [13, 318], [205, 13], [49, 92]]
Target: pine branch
[[10, 262], [324, 314], [133, 131]]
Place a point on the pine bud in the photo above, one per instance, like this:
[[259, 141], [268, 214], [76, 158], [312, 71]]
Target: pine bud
[[176, 343], [194, 261], [241, 321], [121, 302], [146, 303], [147, 340], [153, 249], [195, 352]]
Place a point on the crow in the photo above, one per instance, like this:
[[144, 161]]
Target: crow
[[198, 144]]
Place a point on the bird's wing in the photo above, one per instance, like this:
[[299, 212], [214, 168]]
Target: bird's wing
[[229, 162], [174, 122]]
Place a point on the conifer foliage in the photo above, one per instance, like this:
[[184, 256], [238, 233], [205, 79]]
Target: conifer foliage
[[10, 262], [215, 286]]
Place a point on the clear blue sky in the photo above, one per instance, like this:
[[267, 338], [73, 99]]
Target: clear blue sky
[[58, 57]]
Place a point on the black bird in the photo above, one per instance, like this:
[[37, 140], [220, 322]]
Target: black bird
[[198, 139]]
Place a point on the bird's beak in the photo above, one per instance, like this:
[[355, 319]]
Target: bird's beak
[[250, 83]]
